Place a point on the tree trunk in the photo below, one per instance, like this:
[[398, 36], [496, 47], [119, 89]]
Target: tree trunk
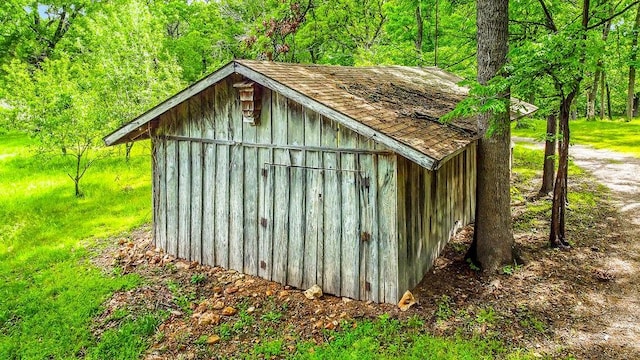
[[632, 69], [435, 35], [420, 32], [549, 155], [557, 236], [609, 114], [493, 235], [591, 95], [602, 101], [128, 146]]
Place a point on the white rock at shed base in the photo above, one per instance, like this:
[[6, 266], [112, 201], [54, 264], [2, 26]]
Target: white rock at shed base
[[314, 292]]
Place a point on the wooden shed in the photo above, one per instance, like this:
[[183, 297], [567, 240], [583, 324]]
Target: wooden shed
[[304, 174]]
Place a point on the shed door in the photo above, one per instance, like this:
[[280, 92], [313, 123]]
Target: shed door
[[321, 223]]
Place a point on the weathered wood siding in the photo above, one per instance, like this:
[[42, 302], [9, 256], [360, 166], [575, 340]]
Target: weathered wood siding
[[297, 199], [432, 206]]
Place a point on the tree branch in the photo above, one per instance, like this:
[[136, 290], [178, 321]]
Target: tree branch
[[551, 25], [521, 22], [604, 21]]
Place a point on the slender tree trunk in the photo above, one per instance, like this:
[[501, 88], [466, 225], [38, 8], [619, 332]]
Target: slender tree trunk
[[609, 114], [549, 155], [435, 35], [593, 92], [602, 92], [420, 32], [557, 233], [632, 69], [493, 235], [557, 236], [128, 146]]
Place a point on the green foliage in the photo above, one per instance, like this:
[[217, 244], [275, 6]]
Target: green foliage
[[269, 349], [486, 316], [616, 135], [106, 70], [129, 341], [271, 316], [198, 278], [444, 310], [510, 269], [49, 289], [385, 338], [489, 98]]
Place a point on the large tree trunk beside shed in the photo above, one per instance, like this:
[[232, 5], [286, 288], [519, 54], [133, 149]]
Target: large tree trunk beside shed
[[493, 236]]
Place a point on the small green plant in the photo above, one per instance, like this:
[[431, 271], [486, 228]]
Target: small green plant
[[444, 311], [271, 316], [530, 321], [127, 341], [269, 349], [415, 322], [472, 266], [245, 321], [202, 340], [486, 316], [511, 269], [225, 331], [198, 278]]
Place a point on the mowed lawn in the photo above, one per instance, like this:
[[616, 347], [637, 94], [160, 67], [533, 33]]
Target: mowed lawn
[[49, 290], [616, 135]]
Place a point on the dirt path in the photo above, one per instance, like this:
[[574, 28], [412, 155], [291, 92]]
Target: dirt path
[[615, 307], [619, 172]]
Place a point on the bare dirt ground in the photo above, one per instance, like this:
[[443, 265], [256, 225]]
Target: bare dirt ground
[[583, 302]]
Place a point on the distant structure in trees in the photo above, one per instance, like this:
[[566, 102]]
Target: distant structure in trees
[[305, 174]]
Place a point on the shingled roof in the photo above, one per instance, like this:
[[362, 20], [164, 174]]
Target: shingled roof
[[398, 106]]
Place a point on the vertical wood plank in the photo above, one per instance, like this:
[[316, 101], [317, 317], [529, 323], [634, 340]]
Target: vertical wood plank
[[426, 218], [281, 189], [472, 181], [467, 186], [195, 131], [236, 183], [460, 191], [313, 203], [297, 177], [222, 114], [155, 191], [265, 193], [332, 211], [368, 280], [209, 179], [403, 202], [184, 184], [172, 197], [420, 262], [387, 228], [250, 201], [350, 218], [161, 177]]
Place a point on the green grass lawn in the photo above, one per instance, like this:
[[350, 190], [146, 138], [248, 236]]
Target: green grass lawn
[[49, 291], [614, 135]]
